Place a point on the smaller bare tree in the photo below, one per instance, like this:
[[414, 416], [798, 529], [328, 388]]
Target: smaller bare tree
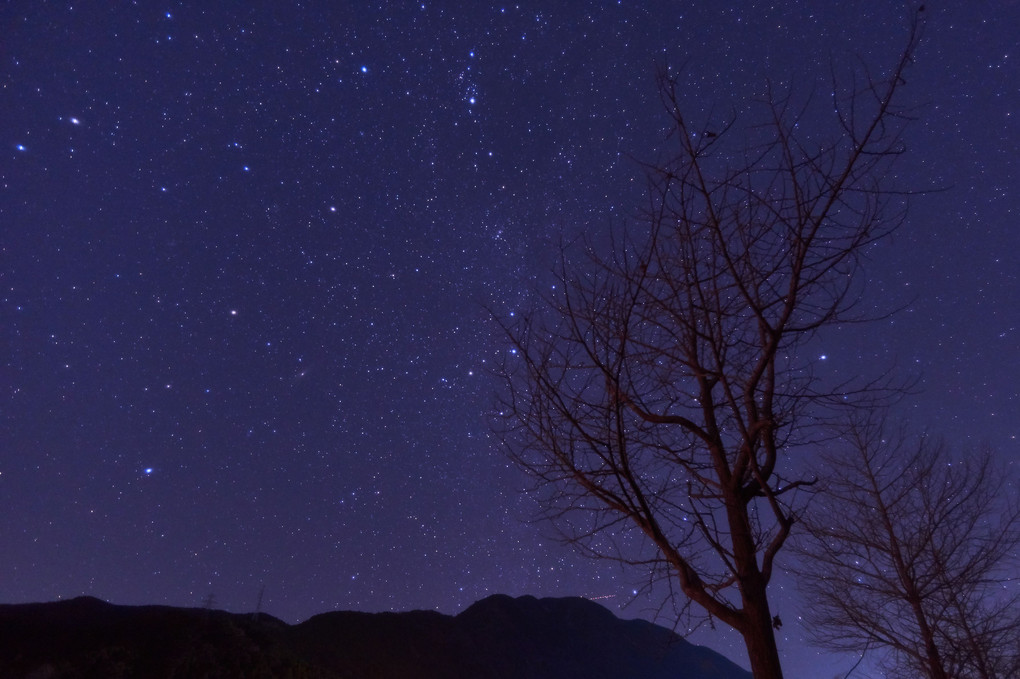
[[912, 550]]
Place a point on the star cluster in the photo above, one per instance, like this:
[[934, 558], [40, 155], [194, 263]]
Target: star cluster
[[248, 253]]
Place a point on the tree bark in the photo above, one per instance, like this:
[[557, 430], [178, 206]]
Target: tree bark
[[931, 649], [759, 634]]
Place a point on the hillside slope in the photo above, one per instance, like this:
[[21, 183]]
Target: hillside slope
[[497, 638]]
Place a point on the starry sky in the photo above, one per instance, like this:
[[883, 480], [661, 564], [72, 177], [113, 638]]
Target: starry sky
[[246, 252]]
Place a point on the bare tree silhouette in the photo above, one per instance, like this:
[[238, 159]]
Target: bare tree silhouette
[[910, 550], [656, 397]]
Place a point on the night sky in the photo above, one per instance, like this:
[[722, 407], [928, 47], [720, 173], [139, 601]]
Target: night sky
[[246, 251]]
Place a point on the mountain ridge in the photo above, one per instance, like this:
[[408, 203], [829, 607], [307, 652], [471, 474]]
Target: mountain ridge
[[499, 637]]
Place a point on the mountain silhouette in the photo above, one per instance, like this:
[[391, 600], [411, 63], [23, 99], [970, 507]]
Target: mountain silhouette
[[499, 637]]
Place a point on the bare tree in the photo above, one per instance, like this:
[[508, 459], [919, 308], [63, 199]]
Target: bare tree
[[656, 398], [910, 550]]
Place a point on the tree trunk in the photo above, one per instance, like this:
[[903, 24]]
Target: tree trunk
[[931, 649], [759, 634], [756, 624]]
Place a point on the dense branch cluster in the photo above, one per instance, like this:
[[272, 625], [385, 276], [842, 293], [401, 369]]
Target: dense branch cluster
[[911, 551]]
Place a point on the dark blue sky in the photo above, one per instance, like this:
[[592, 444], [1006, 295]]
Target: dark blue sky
[[245, 253]]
